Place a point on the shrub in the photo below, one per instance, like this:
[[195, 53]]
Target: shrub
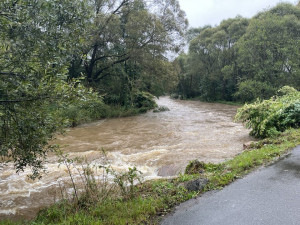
[[85, 112], [195, 167], [250, 90], [144, 100], [269, 117]]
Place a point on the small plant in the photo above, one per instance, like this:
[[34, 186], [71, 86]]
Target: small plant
[[69, 163], [185, 177], [91, 183], [195, 167], [127, 181]]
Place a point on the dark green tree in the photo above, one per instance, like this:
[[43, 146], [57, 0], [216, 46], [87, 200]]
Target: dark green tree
[[127, 40], [210, 67], [37, 40], [243, 59], [269, 53]]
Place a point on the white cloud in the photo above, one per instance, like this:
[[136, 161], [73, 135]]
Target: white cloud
[[212, 12]]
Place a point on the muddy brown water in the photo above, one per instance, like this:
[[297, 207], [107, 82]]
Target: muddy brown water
[[158, 144]]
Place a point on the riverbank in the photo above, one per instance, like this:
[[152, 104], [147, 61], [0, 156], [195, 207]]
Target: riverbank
[[153, 199], [92, 111], [160, 145], [219, 101], [199, 98]]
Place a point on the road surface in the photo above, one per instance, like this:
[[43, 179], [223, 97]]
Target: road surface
[[268, 196]]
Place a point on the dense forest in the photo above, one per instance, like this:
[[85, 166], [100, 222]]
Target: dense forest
[[242, 59]]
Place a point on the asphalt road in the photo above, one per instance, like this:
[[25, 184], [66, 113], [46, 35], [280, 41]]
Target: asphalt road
[[268, 196]]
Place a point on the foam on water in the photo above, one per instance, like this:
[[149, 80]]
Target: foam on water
[[157, 144]]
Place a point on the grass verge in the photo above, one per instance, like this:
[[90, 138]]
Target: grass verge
[[155, 198]]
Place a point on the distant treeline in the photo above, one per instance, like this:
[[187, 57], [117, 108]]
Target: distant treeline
[[243, 59]]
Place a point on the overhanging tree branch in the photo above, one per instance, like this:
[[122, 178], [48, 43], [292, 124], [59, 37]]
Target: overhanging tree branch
[[25, 100], [97, 78]]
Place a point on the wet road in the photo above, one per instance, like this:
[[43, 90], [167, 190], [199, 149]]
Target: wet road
[[269, 196]]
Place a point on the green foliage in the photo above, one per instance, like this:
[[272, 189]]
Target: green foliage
[[144, 100], [195, 167], [126, 48], [268, 53], [252, 89], [186, 177], [242, 59], [133, 211], [37, 39], [210, 69], [126, 181], [268, 117], [83, 112]]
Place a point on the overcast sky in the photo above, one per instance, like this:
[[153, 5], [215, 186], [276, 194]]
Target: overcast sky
[[212, 12]]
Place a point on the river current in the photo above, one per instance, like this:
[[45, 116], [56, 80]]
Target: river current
[[158, 144]]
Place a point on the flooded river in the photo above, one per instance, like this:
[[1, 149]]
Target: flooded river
[[158, 144]]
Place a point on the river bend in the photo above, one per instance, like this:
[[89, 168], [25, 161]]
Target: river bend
[[158, 144]]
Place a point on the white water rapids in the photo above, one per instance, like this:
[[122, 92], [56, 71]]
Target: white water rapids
[[158, 144]]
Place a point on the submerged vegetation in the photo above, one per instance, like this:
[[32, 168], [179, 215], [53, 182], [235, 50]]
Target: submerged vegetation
[[88, 111]]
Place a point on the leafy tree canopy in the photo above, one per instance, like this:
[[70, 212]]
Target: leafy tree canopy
[[37, 39], [129, 39], [243, 59]]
